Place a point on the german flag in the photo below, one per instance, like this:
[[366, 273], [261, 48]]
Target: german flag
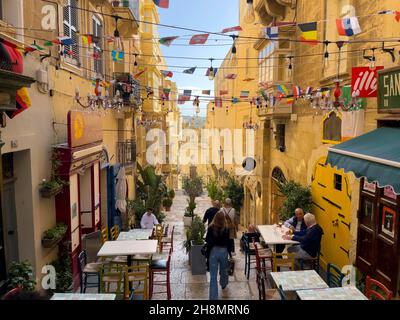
[[309, 32]]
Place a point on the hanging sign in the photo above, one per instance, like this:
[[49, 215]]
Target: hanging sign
[[365, 81], [389, 90]]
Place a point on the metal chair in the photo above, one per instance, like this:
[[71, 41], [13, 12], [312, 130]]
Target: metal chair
[[375, 290], [87, 271], [334, 276], [139, 276], [160, 268], [283, 260]]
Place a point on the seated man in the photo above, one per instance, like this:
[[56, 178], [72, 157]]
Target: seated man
[[149, 220], [297, 226], [310, 242]]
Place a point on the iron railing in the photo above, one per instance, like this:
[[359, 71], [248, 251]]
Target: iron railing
[[126, 152]]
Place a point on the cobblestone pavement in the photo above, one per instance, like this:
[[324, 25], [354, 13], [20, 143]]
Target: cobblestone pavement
[[184, 285]]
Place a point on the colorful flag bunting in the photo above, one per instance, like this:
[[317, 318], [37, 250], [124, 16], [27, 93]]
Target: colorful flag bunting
[[181, 99], [162, 3], [233, 29], [167, 41], [117, 56], [48, 44], [308, 32], [206, 92], [190, 71], [272, 32], [87, 39], [297, 91], [137, 75], [231, 76], [397, 17], [273, 100], [244, 94], [167, 74], [264, 94], [218, 102], [66, 41], [309, 91], [282, 88], [290, 101], [348, 26], [199, 39]]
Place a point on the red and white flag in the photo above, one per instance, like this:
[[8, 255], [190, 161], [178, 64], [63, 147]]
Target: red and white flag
[[218, 102], [223, 92], [233, 29], [199, 39], [231, 76]]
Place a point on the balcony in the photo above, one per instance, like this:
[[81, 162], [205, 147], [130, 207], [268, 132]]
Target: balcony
[[128, 9], [126, 151], [129, 89], [281, 110]]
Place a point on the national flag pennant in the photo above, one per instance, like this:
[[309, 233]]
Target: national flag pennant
[[66, 41], [264, 94], [167, 74], [215, 72], [199, 39], [309, 32], [348, 26], [48, 44], [23, 102], [140, 73], [309, 91], [117, 56], [272, 32], [218, 102], [162, 3], [223, 92], [272, 99], [282, 89], [297, 92], [165, 94], [87, 39], [206, 92], [167, 41], [397, 16], [33, 47], [187, 94], [190, 71], [181, 99], [231, 76], [244, 94], [290, 100], [233, 29], [394, 12], [249, 79]]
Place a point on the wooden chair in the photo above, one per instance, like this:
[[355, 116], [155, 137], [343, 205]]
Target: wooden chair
[[283, 260], [334, 276], [311, 263], [158, 235], [158, 268], [104, 235], [139, 276], [261, 256], [112, 279], [167, 242], [114, 232], [375, 290], [88, 271]]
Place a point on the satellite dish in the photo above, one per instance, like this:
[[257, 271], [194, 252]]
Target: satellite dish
[[249, 164]]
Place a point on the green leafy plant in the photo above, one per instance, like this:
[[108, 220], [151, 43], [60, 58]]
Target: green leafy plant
[[63, 267], [167, 203], [193, 186], [195, 233], [189, 211], [55, 183], [57, 232], [21, 275], [215, 192], [296, 196], [235, 191]]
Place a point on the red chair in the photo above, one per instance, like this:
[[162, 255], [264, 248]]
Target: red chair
[[12, 293], [161, 267], [168, 241], [371, 292], [262, 268]]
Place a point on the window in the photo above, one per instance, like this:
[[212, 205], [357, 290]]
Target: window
[[1, 9], [332, 128], [98, 47], [338, 181], [280, 137], [272, 63], [71, 27]]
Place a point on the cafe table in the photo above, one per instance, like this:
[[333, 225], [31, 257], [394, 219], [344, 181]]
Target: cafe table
[[342, 293], [79, 296], [135, 234], [298, 280], [273, 235]]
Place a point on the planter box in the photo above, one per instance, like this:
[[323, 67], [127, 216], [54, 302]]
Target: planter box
[[48, 193], [50, 243], [198, 261], [187, 221]]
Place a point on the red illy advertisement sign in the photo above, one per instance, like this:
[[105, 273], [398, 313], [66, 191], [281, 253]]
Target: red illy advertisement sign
[[365, 81]]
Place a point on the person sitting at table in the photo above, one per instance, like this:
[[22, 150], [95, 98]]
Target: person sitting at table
[[296, 225], [149, 220], [310, 242]]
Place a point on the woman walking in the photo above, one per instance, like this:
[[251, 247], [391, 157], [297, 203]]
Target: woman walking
[[219, 247]]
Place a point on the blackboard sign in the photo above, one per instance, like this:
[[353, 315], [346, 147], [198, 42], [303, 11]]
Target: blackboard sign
[[389, 90]]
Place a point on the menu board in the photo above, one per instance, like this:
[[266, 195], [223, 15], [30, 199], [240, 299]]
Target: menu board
[[388, 221]]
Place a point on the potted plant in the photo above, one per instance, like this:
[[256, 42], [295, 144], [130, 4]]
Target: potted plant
[[21, 275], [193, 244], [53, 236], [63, 266], [296, 196], [167, 204], [189, 213], [55, 185]]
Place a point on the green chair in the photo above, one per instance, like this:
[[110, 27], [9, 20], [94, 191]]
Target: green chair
[[112, 279], [334, 276]]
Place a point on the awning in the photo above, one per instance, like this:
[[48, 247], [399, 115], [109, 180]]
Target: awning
[[375, 156]]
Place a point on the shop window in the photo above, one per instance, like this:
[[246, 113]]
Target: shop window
[[367, 213], [98, 32], [332, 129], [71, 28], [338, 180]]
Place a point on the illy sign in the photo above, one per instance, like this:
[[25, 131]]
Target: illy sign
[[365, 82]]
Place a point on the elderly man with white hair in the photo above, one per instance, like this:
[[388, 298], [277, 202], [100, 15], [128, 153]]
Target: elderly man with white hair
[[310, 242]]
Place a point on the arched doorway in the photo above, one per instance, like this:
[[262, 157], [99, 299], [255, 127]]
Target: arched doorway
[[277, 198]]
